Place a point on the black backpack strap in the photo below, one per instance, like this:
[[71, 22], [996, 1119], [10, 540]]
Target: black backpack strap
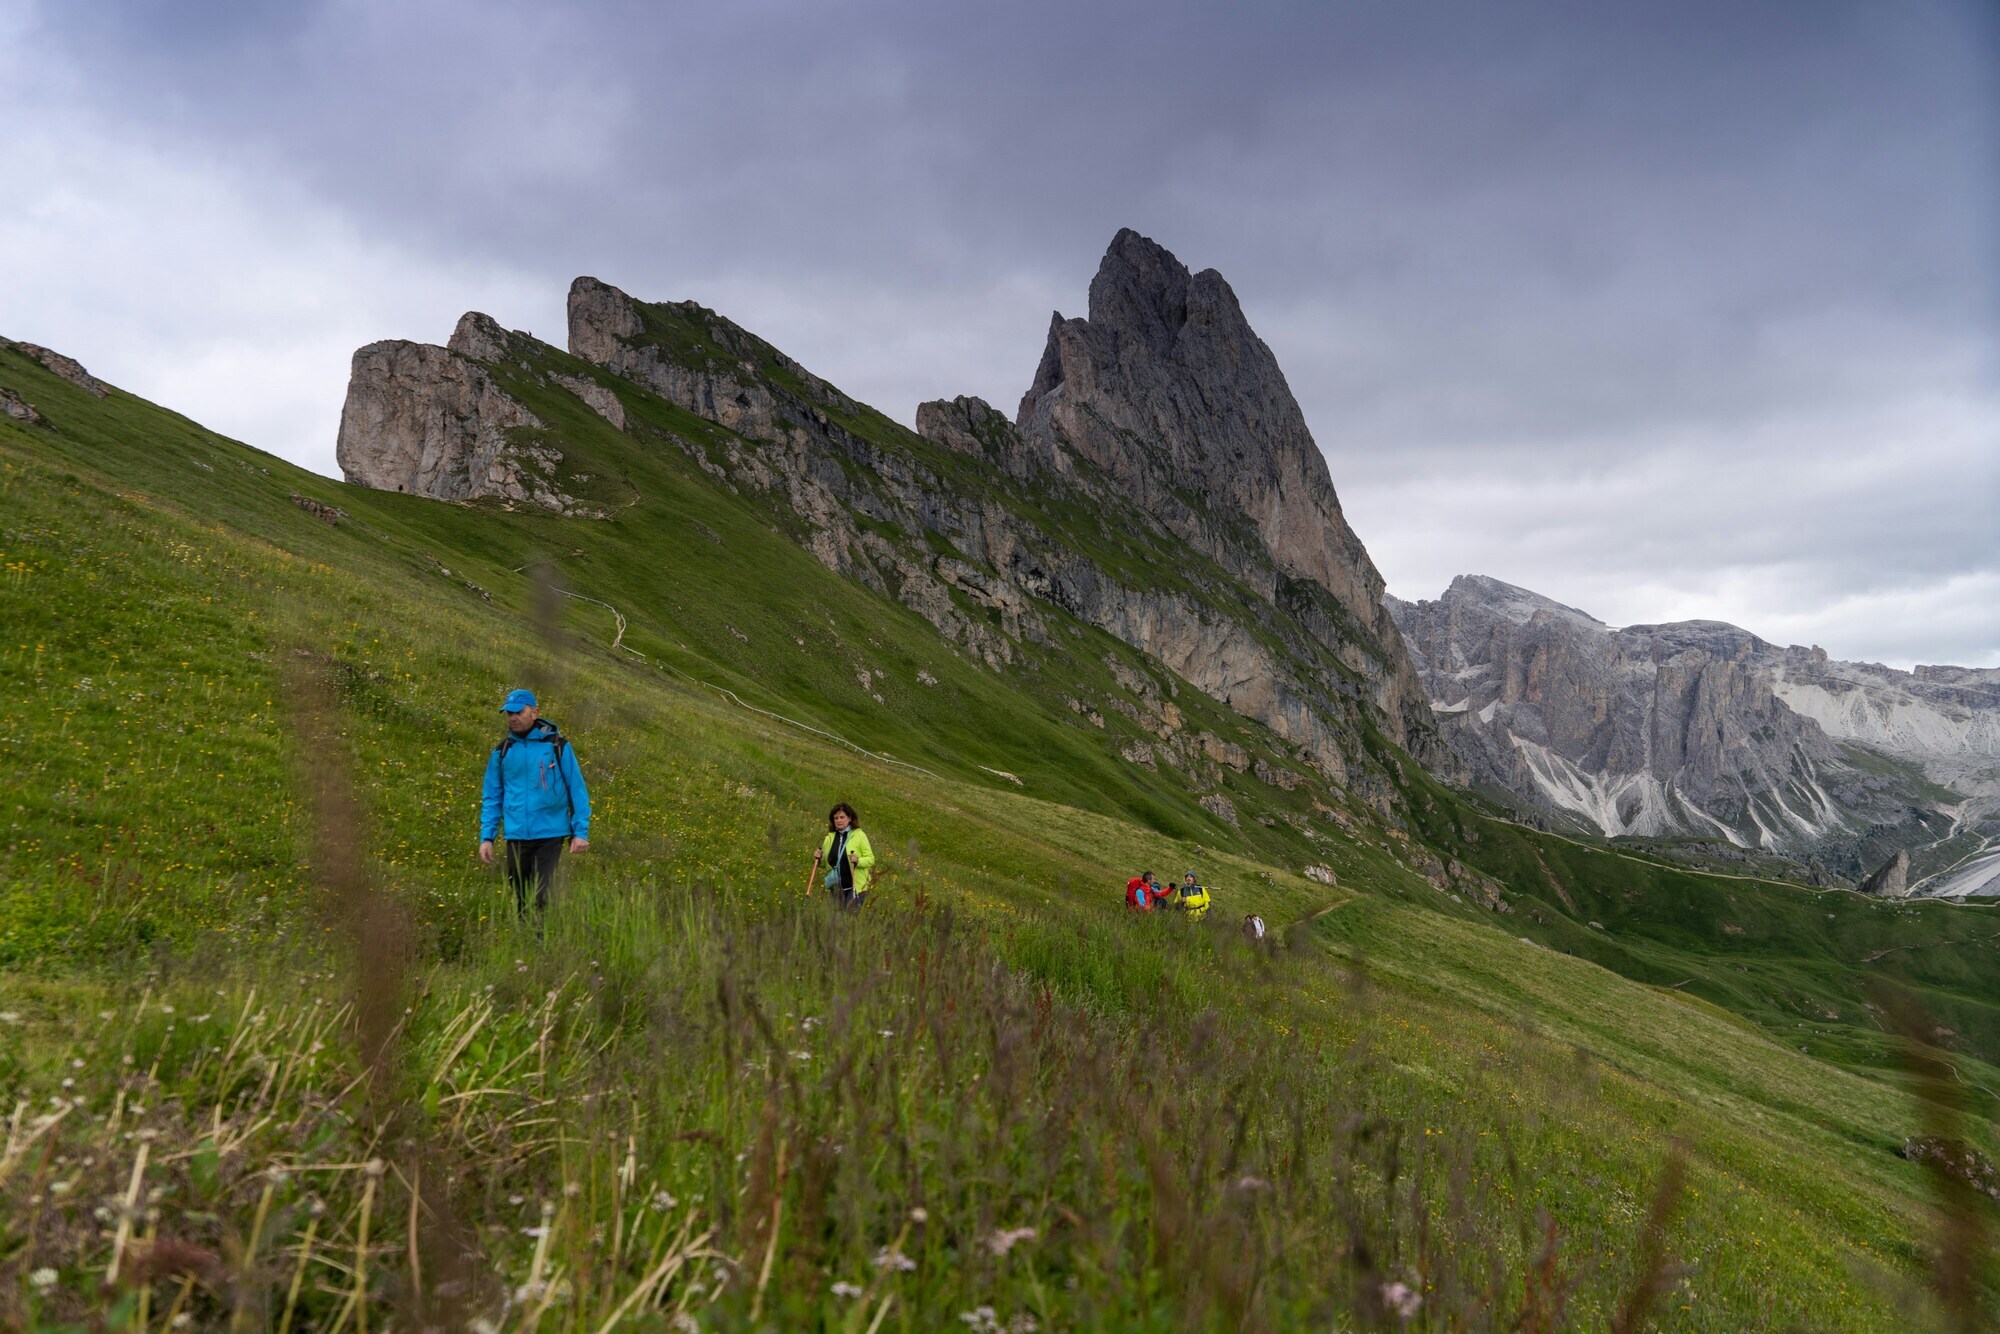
[[500, 754], [559, 742]]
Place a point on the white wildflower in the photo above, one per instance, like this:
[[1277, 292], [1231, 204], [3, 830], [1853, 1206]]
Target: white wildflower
[[1023, 1324], [1401, 1299], [846, 1289], [891, 1258], [1005, 1239], [662, 1201], [534, 1232], [920, 1215], [43, 1279], [802, 1056], [886, 1032], [686, 1324]]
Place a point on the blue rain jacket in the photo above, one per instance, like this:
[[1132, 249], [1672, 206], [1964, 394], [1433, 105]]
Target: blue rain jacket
[[541, 794]]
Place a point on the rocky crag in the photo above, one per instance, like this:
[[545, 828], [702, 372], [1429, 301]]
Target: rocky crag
[[1158, 483], [433, 421], [1702, 729]]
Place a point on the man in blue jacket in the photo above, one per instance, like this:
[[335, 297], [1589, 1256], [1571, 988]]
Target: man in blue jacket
[[534, 789]]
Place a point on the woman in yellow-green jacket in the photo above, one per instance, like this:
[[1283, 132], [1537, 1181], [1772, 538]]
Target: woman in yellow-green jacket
[[1194, 898], [848, 858]]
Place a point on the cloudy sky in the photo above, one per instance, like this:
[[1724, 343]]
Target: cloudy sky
[[1664, 309]]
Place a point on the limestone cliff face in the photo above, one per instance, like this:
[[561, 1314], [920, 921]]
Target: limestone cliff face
[[1685, 728], [1167, 390], [427, 421], [434, 421]]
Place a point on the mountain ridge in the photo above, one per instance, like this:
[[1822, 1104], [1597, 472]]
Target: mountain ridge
[[1260, 596], [1600, 723]]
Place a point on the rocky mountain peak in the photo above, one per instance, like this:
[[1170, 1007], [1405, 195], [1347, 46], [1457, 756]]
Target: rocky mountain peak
[[1167, 390], [1518, 605]]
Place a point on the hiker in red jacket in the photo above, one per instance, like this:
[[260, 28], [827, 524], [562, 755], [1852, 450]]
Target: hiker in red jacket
[[1142, 890]]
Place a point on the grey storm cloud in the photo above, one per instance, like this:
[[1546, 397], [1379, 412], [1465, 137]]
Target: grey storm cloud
[[1662, 310]]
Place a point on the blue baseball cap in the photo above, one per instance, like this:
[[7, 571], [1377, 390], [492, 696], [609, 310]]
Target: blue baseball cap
[[518, 700]]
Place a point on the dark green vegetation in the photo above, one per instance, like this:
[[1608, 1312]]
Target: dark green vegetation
[[702, 1097]]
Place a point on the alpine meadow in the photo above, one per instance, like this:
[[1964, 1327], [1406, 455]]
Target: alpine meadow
[[278, 1052]]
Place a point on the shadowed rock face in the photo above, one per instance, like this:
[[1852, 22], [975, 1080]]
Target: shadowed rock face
[[1168, 392], [1892, 881], [1167, 389]]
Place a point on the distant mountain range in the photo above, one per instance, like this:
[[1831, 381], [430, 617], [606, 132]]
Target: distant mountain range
[[1699, 731]]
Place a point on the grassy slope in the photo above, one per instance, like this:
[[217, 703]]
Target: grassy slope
[[155, 605]]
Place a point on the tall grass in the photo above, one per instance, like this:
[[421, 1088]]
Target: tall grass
[[797, 1118]]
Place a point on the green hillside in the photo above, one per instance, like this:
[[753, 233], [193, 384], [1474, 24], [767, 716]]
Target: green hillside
[[279, 1054]]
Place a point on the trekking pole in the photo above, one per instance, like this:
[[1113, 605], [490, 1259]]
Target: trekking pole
[[814, 875]]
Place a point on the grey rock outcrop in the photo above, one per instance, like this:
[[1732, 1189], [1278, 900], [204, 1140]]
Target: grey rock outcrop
[[478, 336], [431, 421], [66, 368], [970, 426], [1892, 880], [20, 409], [595, 396]]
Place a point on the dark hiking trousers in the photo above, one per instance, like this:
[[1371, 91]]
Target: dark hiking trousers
[[533, 861], [848, 900]]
